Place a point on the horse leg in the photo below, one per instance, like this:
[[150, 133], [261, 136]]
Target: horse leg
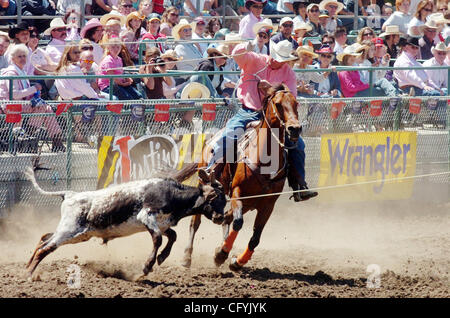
[[238, 220], [260, 221], [172, 236], [195, 223], [157, 241]]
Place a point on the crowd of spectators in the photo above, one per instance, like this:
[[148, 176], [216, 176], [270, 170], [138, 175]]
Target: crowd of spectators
[[401, 34]]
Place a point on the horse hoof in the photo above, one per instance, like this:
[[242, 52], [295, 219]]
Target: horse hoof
[[186, 263], [220, 257], [234, 265]]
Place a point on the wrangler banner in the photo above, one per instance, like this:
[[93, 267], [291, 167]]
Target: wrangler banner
[[376, 163], [126, 158]]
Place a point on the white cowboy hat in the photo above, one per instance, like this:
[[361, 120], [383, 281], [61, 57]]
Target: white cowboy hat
[[171, 54], [56, 23], [221, 49], [266, 23], [195, 90], [233, 38], [282, 51], [181, 25], [438, 18], [430, 24], [440, 47], [286, 19], [324, 3], [299, 25], [113, 15], [350, 50], [306, 49], [391, 30]]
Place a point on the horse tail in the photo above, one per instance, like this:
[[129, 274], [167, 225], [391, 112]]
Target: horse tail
[[187, 171]]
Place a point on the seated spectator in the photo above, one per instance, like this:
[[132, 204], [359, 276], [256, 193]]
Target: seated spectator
[[113, 27], [153, 32], [64, 6], [285, 6], [87, 64], [4, 44], [38, 8], [213, 26], [73, 89], [170, 90], [426, 42], [93, 31], [145, 8], [306, 56], [340, 37], [323, 19], [373, 11], [441, 22], [415, 82], [20, 34], [72, 20], [438, 78], [22, 90], [134, 25], [246, 25], [230, 81], [300, 11], [169, 20], [330, 86], [391, 37], [112, 64], [424, 8], [328, 40], [187, 50], [351, 83], [154, 85], [286, 27], [263, 31], [191, 9], [400, 17], [333, 7], [58, 34], [313, 12], [300, 29], [125, 7], [8, 8], [198, 27], [365, 34]]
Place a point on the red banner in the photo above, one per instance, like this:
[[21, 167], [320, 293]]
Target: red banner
[[375, 108], [13, 113], [209, 112], [162, 112], [62, 108], [115, 108], [414, 105], [336, 109]]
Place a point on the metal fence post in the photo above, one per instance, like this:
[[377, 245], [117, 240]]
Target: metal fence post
[[69, 148], [82, 12], [19, 11], [11, 125]]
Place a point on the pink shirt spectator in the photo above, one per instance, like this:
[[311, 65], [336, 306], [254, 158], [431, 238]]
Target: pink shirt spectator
[[417, 78], [351, 83], [108, 63], [55, 49], [252, 63], [246, 26]]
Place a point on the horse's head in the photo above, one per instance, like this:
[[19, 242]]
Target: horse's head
[[215, 200], [281, 105]]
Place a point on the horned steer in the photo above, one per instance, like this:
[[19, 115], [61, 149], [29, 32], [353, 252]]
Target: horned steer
[[154, 204]]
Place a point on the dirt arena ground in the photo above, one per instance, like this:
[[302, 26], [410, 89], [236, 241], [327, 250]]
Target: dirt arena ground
[[311, 249]]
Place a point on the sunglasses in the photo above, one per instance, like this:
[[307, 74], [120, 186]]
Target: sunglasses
[[332, 6], [174, 14], [60, 30], [263, 35], [442, 53], [314, 11], [127, 5], [76, 52], [258, 7], [327, 42], [186, 30], [87, 61], [327, 56], [288, 25], [85, 48], [367, 34]]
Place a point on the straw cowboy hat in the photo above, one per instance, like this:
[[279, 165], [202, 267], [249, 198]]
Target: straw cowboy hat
[[430, 24], [439, 47], [266, 23], [171, 54], [195, 90], [299, 25], [180, 26], [92, 23], [233, 38], [223, 50], [350, 50], [134, 15], [391, 30], [306, 49], [324, 3], [55, 24], [113, 15], [282, 51], [438, 18]]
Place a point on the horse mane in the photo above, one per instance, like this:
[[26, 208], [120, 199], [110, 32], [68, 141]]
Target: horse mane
[[272, 91]]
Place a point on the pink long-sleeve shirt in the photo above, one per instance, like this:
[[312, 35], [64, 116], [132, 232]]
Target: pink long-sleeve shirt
[[246, 26], [252, 63], [351, 83]]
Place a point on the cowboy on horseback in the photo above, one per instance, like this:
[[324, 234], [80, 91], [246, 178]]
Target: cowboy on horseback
[[258, 74]]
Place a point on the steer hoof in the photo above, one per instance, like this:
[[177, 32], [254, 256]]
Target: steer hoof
[[220, 257], [234, 265]]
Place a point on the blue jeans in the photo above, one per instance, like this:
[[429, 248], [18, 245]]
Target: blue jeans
[[124, 92], [421, 92]]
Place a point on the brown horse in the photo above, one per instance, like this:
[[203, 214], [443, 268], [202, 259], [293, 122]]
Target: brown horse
[[245, 178]]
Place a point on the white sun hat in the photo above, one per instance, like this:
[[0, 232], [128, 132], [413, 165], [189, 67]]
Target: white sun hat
[[282, 51], [195, 90]]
